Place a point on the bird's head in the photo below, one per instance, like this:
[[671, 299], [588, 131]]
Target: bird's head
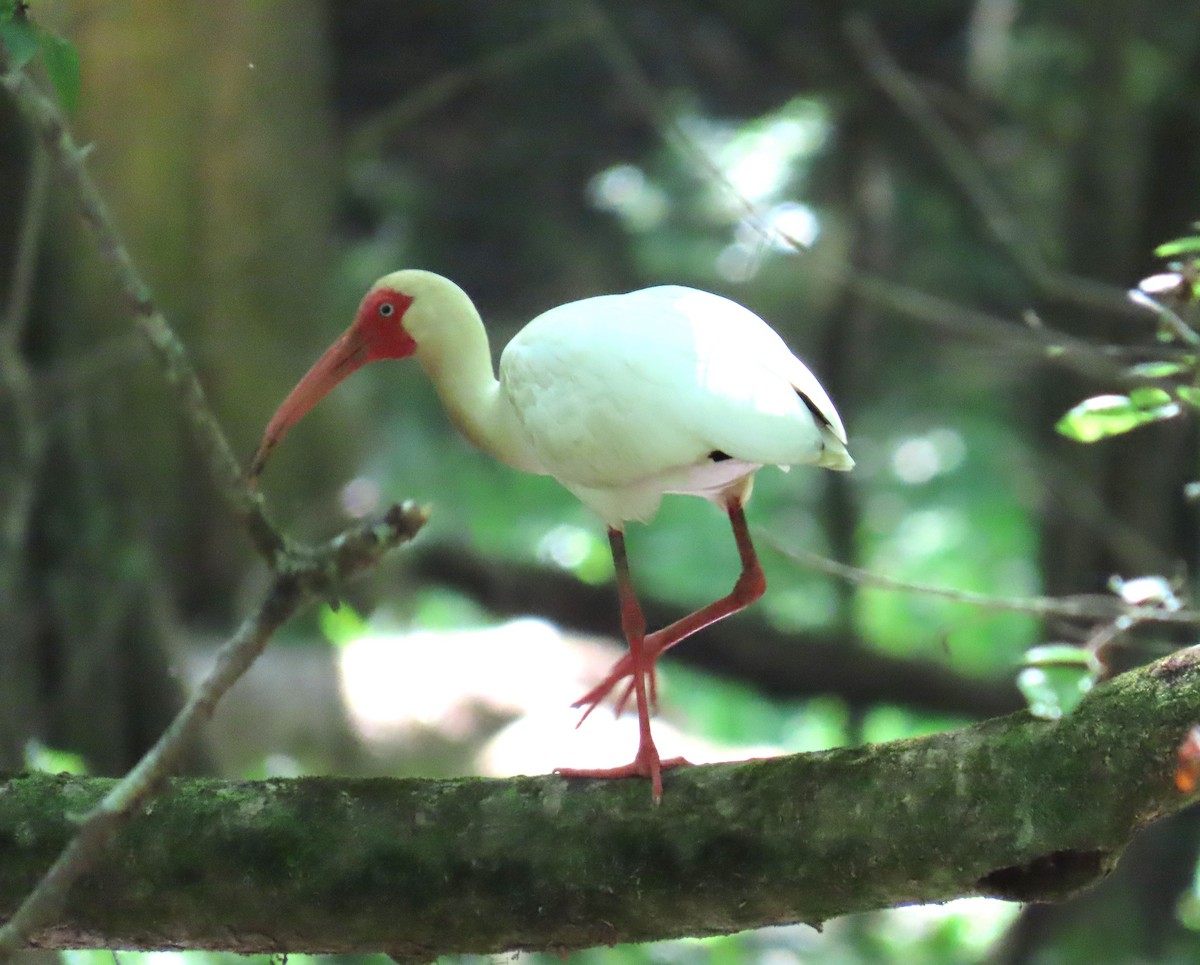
[[402, 314]]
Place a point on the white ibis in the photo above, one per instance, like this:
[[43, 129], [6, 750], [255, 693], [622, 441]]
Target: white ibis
[[622, 399]]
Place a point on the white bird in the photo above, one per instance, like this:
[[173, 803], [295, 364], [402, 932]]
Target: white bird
[[622, 399]]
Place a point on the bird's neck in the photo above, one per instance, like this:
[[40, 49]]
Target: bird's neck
[[466, 384]]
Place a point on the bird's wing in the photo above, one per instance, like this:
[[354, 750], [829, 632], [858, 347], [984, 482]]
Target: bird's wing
[[617, 390]]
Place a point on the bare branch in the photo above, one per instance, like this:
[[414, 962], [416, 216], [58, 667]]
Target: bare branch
[[308, 574], [780, 664], [941, 313], [47, 121], [1080, 607], [427, 98], [300, 573], [1001, 221]]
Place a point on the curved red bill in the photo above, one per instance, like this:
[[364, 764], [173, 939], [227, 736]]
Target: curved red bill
[[348, 354]]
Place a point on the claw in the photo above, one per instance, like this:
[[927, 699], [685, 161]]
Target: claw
[[646, 764], [620, 670]]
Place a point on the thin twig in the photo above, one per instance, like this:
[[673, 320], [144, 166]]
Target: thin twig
[[1082, 607], [999, 217], [315, 573], [368, 139], [301, 574], [47, 121], [1167, 316], [902, 300]]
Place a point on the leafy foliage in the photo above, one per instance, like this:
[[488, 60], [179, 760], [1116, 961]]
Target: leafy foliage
[[1107, 415], [23, 40], [1056, 677], [1174, 295]]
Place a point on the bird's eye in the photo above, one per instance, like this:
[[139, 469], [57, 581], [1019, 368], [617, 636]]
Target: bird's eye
[[386, 309]]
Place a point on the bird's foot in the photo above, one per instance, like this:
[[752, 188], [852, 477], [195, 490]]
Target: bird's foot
[[620, 670], [646, 764]]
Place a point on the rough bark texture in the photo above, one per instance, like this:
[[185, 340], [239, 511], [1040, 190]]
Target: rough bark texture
[[1014, 807]]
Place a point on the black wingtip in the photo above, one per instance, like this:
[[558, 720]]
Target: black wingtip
[[820, 417]]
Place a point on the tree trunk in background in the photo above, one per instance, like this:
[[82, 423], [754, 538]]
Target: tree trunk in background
[[20, 443], [129, 536], [236, 247]]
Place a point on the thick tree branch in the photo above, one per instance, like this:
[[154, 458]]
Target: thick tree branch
[[1018, 808]]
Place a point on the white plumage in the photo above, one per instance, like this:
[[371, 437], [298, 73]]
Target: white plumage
[[622, 398]]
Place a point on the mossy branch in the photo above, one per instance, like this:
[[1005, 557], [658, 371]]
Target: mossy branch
[[1019, 808]]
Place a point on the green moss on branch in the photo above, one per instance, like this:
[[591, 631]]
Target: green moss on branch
[[1015, 807]]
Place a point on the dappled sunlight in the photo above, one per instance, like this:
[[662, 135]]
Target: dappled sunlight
[[918, 459], [759, 164], [759, 158], [625, 191], [581, 550], [972, 924], [787, 223], [450, 681], [929, 532], [427, 678], [780, 229], [360, 497]]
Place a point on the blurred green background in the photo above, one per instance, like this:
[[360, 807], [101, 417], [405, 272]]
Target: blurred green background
[[963, 178]]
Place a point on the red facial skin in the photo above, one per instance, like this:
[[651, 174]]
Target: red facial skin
[[379, 322], [376, 333]]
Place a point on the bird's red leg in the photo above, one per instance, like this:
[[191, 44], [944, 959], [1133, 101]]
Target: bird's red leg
[[749, 587], [647, 762]]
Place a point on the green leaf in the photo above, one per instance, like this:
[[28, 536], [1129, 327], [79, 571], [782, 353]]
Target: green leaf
[[1148, 398], [39, 757], [1056, 677], [62, 66], [1178, 246], [1111, 415], [1189, 394], [341, 626], [20, 40], [1060, 655], [1156, 370]]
